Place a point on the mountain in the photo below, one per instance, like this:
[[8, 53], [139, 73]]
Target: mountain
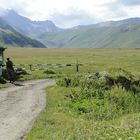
[[127, 35], [27, 26], [135, 20], [10, 37], [112, 34]]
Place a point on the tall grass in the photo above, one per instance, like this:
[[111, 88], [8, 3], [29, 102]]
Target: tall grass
[[57, 122]]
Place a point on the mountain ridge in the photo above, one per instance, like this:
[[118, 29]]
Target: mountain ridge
[[27, 26], [122, 33], [10, 37]]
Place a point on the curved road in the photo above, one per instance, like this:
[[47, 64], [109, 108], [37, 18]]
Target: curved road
[[19, 106]]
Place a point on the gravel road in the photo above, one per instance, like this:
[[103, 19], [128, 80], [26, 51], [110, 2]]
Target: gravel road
[[19, 106]]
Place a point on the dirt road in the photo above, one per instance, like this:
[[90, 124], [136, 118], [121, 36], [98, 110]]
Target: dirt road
[[19, 106]]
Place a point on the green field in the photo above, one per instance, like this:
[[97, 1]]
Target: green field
[[78, 109], [92, 59]]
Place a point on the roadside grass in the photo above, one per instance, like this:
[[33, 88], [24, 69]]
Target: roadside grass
[[3, 86], [57, 123], [3, 83], [33, 75]]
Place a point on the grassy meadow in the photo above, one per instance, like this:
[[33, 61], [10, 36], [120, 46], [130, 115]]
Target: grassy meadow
[[82, 106], [92, 59]]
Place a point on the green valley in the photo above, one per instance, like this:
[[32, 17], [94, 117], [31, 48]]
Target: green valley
[[124, 36]]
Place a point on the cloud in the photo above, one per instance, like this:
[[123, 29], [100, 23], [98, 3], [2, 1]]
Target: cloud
[[73, 18], [66, 13], [63, 12], [115, 10], [121, 9], [47, 7], [130, 2], [17, 5]]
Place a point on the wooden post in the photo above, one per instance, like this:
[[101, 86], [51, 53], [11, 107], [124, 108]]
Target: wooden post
[[30, 65], [77, 67]]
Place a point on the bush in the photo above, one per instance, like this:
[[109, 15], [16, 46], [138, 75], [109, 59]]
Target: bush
[[66, 82], [70, 81], [49, 72], [2, 81], [103, 105], [102, 96]]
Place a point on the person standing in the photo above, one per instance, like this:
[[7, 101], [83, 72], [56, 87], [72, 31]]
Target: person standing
[[10, 70]]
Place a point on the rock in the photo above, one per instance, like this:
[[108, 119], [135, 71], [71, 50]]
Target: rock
[[20, 71], [124, 82]]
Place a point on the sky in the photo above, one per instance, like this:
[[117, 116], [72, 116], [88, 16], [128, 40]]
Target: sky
[[69, 13]]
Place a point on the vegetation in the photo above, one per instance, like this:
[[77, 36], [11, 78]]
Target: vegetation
[[101, 97], [60, 121], [2, 83], [76, 108], [93, 60], [100, 102], [49, 71]]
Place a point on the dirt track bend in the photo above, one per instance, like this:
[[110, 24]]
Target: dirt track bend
[[19, 106]]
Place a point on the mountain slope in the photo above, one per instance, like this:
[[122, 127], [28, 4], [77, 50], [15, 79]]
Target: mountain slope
[[123, 33], [10, 37], [27, 26], [126, 35], [135, 20]]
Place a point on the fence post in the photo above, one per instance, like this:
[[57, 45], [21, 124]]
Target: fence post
[[77, 67], [30, 65]]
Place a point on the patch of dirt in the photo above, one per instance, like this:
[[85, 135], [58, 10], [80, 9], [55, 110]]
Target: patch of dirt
[[19, 106]]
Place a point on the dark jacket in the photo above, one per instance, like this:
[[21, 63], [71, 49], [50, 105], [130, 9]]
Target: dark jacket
[[9, 65]]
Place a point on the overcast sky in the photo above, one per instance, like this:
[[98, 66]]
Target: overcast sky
[[68, 13]]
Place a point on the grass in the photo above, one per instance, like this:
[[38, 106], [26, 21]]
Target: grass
[[3, 86], [93, 59], [60, 120], [55, 123], [3, 83]]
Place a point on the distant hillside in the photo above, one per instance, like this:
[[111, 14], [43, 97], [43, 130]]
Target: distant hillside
[[111, 23], [9, 37], [111, 34], [27, 26], [127, 35]]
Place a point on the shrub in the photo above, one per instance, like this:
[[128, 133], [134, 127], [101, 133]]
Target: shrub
[[71, 81], [64, 82], [103, 105], [101, 96], [49, 72], [2, 81]]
